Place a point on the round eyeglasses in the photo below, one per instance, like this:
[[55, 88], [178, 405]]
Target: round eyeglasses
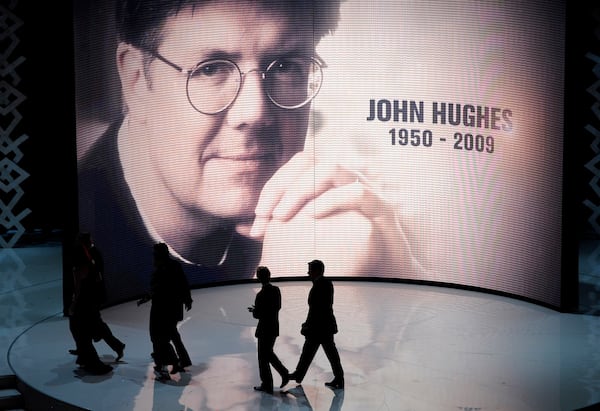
[[213, 85]]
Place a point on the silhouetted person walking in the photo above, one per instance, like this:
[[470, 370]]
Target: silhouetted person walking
[[99, 328], [266, 309], [85, 321], [319, 327]]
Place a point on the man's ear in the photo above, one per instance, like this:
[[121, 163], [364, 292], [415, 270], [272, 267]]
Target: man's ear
[[130, 65]]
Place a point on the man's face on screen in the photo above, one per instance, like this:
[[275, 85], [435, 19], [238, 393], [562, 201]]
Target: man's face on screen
[[218, 163]]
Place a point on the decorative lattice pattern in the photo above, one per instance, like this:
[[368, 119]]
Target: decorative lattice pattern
[[593, 166], [11, 174]]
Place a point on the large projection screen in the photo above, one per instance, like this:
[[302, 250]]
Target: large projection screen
[[432, 152]]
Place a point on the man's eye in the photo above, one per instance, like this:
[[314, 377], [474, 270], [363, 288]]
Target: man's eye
[[218, 69], [290, 66]]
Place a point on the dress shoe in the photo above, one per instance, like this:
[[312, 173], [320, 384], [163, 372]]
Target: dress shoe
[[335, 384], [120, 352], [285, 378], [264, 389]]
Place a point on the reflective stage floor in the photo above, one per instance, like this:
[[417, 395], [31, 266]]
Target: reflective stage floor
[[403, 347]]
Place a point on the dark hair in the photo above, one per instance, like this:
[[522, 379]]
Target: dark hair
[[263, 273], [317, 265], [140, 22], [84, 238], [161, 251]]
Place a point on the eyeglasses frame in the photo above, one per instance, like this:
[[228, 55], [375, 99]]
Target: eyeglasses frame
[[320, 63]]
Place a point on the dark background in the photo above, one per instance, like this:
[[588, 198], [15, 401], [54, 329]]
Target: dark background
[[48, 117]]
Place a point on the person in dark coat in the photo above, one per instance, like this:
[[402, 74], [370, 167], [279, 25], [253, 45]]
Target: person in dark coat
[[266, 309], [319, 327], [170, 293], [85, 321], [92, 257]]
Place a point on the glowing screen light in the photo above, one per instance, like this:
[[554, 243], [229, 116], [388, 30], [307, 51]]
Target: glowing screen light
[[432, 151]]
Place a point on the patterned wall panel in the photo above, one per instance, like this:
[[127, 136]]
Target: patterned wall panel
[[593, 166], [12, 211]]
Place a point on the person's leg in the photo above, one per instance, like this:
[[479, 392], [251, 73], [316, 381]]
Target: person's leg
[[334, 359], [162, 350], [277, 364], [105, 333], [164, 354], [265, 348], [79, 335], [182, 353], [311, 345], [161, 353], [87, 356], [73, 330]]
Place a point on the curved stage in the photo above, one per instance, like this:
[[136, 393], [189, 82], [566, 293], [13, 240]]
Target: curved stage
[[403, 347]]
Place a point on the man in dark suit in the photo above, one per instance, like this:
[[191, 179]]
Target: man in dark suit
[[266, 309], [170, 293], [319, 327]]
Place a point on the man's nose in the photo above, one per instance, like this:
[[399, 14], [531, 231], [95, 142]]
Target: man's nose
[[252, 102]]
